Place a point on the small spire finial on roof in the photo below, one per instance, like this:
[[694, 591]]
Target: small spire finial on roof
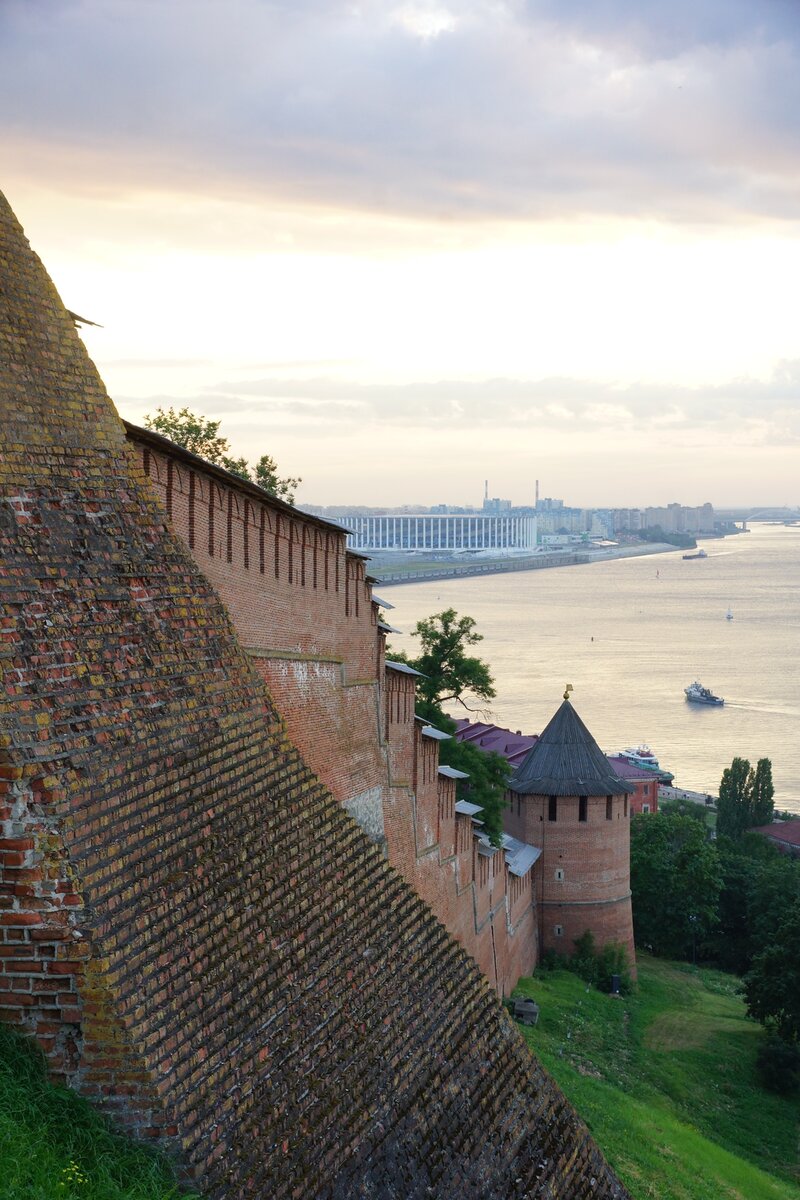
[[567, 691]]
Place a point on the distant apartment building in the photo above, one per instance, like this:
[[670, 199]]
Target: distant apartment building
[[502, 532], [562, 520], [629, 519], [672, 518], [678, 518]]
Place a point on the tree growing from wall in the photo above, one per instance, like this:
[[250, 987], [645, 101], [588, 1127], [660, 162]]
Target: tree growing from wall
[[452, 674], [201, 436]]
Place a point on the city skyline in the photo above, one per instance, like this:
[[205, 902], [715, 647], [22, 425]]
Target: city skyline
[[403, 245], [546, 504]]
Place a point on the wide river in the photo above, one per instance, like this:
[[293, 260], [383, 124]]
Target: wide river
[[630, 634]]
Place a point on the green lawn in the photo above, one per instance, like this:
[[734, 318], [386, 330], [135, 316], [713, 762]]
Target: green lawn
[[666, 1081], [55, 1146]]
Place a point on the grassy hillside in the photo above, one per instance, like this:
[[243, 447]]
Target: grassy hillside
[[54, 1146], [666, 1081]]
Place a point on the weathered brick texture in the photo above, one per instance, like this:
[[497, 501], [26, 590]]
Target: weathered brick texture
[[583, 876], [303, 608], [193, 926]]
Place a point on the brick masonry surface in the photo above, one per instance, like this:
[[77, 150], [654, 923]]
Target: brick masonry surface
[[583, 875], [197, 932], [303, 608]]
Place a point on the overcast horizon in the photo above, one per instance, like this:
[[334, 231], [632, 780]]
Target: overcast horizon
[[405, 247]]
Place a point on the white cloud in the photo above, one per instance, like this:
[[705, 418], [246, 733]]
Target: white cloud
[[686, 112], [425, 21]]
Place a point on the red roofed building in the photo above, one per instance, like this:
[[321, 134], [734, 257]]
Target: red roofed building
[[785, 835], [644, 798]]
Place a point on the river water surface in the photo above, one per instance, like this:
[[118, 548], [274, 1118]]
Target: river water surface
[[630, 634]]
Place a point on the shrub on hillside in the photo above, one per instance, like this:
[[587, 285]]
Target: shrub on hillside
[[778, 1064], [613, 960], [595, 966]]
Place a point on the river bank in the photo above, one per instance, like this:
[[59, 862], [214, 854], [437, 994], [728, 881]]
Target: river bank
[[631, 636], [412, 570]]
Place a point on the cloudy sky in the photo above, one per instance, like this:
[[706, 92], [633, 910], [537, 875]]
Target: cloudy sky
[[406, 245]]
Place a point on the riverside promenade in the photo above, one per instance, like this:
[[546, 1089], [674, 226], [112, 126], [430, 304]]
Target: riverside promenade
[[675, 793], [408, 569]]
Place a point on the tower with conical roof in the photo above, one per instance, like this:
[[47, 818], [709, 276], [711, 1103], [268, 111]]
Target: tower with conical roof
[[567, 799]]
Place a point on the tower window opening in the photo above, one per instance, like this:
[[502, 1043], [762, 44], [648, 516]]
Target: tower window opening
[[609, 807], [552, 808], [583, 808]]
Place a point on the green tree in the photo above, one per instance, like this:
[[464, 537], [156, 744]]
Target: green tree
[[237, 466], [772, 986], [266, 476], [758, 885], [681, 807], [488, 779], [193, 432], [675, 882], [730, 943], [202, 437], [763, 793], [775, 890], [450, 673], [735, 806], [746, 797]]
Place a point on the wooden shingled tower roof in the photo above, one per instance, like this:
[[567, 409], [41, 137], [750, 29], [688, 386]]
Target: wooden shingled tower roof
[[567, 761]]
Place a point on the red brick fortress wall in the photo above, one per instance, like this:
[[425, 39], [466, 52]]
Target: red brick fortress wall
[[248, 975], [469, 887], [302, 608], [302, 605]]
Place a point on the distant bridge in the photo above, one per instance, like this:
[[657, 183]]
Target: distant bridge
[[761, 514]]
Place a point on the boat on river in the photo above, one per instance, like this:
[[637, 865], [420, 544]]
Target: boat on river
[[697, 694], [643, 756], [697, 554]]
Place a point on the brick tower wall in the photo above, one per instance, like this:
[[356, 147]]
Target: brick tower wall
[[582, 879], [199, 934]]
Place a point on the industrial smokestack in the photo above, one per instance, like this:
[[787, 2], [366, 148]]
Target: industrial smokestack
[[537, 493], [486, 489]]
